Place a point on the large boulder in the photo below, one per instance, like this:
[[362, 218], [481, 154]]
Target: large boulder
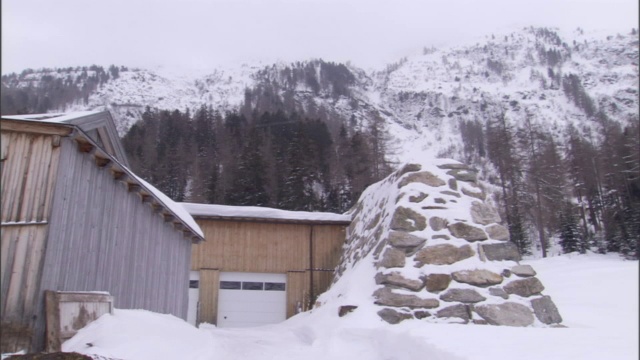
[[477, 277], [467, 232], [499, 252], [392, 316], [523, 270], [545, 310], [406, 219], [443, 254], [396, 279], [466, 296], [384, 296], [497, 232], [524, 287], [508, 313], [392, 258], [405, 242], [484, 214], [437, 282], [455, 311]]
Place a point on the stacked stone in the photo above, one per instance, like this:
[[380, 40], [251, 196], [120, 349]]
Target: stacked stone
[[438, 265]]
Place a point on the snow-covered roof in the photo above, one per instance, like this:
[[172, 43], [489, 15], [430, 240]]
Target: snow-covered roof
[[176, 208], [53, 117], [263, 213]]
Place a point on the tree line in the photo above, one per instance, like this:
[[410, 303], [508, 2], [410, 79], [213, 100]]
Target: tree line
[[274, 159], [584, 191]]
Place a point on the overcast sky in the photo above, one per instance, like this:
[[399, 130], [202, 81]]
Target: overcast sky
[[203, 33]]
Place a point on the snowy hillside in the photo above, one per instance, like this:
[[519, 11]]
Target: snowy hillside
[[598, 295], [518, 73], [423, 98]]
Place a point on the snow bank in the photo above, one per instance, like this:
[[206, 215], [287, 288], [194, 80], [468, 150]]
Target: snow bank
[[598, 295]]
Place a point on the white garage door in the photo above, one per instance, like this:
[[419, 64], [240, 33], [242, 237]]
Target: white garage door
[[251, 299]]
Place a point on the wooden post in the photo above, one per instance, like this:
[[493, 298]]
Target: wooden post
[[53, 321]]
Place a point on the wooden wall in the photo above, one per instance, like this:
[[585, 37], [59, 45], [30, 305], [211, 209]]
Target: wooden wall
[[208, 296], [327, 248], [29, 168], [104, 238], [253, 246]]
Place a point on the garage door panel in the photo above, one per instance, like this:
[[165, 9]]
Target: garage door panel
[[251, 299]]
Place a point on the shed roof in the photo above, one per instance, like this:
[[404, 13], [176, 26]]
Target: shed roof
[[118, 165], [256, 213]]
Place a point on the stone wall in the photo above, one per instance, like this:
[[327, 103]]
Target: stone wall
[[441, 253]]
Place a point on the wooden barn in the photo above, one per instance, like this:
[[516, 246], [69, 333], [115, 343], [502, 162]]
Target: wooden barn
[[260, 265], [75, 218]]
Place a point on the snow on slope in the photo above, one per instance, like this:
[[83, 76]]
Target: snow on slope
[[134, 90], [429, 94], [597, 294], [425, 97]]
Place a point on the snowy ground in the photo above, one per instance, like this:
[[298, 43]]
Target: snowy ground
[[597, 296]]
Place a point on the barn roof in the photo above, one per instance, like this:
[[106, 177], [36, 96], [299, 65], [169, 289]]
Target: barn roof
[[98, 125], [79, 127], [256, 213]]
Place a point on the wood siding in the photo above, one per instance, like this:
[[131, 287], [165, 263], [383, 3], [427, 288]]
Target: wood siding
[[22, 253], [297, 292], [327, 248], [104, 238], [208, 296], [252, 246], [29, 168]]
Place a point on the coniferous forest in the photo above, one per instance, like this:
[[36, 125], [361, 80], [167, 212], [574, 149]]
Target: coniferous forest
[[265, 159]]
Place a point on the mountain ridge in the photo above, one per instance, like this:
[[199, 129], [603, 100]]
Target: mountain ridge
[[511, 106]]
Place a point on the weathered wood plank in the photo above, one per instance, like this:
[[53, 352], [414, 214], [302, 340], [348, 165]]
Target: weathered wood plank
[[297, 292], [52, 173], [36, 246], [31, 177], [27, 177], [13, 305], [52, 321], [209, 280]]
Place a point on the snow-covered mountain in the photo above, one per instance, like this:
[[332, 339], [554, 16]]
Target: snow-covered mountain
[[423, 98]]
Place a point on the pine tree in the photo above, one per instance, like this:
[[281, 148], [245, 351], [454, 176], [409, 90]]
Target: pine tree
[[249, 177], [296, 190], [570, 238], [501, 150]]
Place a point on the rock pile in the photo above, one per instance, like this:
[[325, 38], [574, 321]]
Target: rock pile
[[441, 253]]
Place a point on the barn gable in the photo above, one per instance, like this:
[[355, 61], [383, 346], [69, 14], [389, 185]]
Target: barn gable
[[75, 218]]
